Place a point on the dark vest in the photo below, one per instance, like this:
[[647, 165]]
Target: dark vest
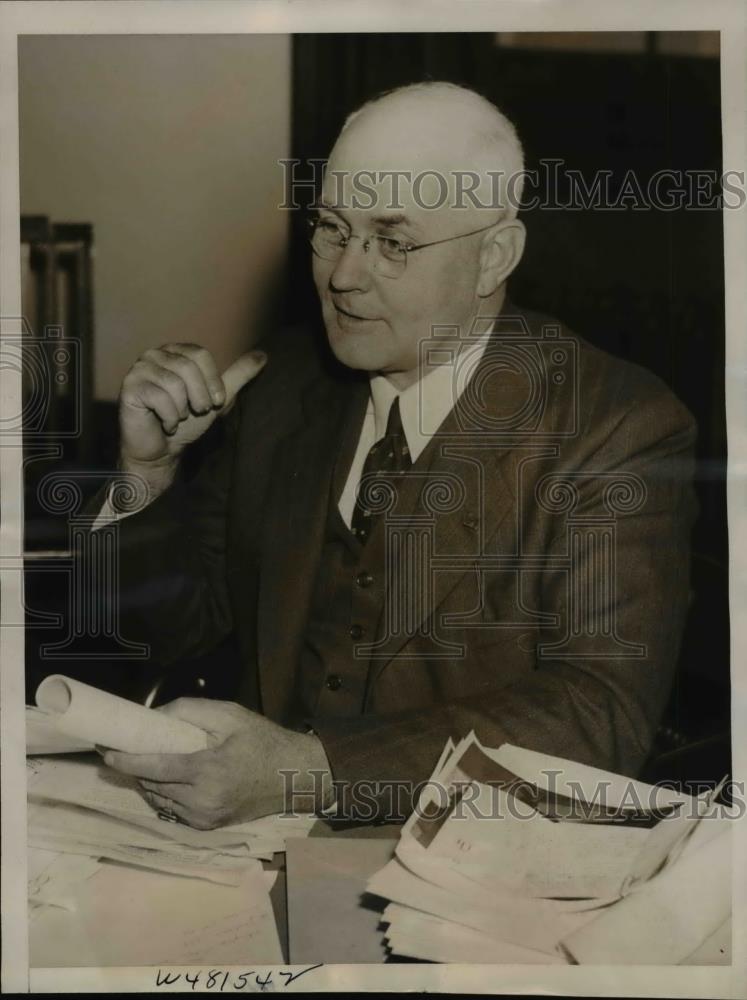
[[345, 607]]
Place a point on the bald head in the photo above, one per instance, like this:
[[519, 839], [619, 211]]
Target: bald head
[[416, 226], [441, 128]]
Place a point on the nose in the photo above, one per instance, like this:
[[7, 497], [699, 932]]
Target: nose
[[352, 272]]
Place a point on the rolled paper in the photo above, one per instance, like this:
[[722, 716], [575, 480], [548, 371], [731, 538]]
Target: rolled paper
[[43, 737], [98, 717], [667, 918]]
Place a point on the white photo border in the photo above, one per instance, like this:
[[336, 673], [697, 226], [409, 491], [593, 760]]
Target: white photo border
[[180, 17]]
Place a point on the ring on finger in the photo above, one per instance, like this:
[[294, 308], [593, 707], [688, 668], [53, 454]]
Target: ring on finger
[[163, 806]]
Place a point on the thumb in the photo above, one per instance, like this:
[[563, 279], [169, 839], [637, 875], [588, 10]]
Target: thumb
[[239, 373], [219, 717]]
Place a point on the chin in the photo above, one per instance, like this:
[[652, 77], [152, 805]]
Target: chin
[[353, 351], [362, 350]]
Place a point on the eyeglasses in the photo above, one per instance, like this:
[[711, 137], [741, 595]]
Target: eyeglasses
[[329, 239]]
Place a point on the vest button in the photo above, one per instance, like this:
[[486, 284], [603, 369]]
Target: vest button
[[334, 682], [364, 579], [356, 631]]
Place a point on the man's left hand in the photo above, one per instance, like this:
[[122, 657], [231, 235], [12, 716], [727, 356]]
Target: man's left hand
[[238, 777]]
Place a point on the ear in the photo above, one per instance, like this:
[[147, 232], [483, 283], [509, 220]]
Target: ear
[[501, 252]]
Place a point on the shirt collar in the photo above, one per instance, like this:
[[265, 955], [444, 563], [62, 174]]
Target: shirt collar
[[425, 404]]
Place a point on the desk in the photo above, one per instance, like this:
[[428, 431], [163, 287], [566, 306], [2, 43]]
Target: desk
[[321, 915]]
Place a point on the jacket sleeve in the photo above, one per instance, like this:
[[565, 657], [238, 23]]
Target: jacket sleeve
[[172, 591], [599, 710]]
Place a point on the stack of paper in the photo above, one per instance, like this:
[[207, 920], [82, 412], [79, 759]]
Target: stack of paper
[[52, 878], [516, 857], [123, 916], [112, 884], [79, 806]]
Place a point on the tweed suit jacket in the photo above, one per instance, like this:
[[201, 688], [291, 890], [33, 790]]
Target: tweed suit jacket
[[549, 518]]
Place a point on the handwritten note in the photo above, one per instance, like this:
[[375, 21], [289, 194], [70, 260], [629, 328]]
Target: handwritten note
[[228, 979]]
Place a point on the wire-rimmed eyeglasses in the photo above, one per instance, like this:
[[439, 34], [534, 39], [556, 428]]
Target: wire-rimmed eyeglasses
[[329, 239]]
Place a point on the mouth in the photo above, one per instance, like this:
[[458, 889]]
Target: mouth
[[349, 317]]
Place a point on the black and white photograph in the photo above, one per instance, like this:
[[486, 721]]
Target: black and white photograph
[[371, 438]]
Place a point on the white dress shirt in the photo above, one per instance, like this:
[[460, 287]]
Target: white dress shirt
[[423, 406]]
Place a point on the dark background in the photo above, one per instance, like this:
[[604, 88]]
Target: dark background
[[645, 285]]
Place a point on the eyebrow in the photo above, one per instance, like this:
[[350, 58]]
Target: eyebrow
[[390, 219], [393, 219]]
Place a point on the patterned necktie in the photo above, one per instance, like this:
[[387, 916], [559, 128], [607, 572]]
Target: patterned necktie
[[388, 455]]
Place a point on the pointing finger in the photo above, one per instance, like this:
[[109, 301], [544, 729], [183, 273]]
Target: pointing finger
[[243, 370]]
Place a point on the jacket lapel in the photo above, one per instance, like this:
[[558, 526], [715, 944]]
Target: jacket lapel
[[458, 494], [298, 498], [461, 499]]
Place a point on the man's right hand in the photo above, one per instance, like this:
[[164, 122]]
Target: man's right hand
[[169, 398]]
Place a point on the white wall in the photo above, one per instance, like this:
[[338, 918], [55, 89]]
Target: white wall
[[169, 146]]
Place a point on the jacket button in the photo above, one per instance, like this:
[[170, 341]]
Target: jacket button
[[364, 579], [334, 682], [356, 631]]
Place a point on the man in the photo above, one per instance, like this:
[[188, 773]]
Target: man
[[472, 520]]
